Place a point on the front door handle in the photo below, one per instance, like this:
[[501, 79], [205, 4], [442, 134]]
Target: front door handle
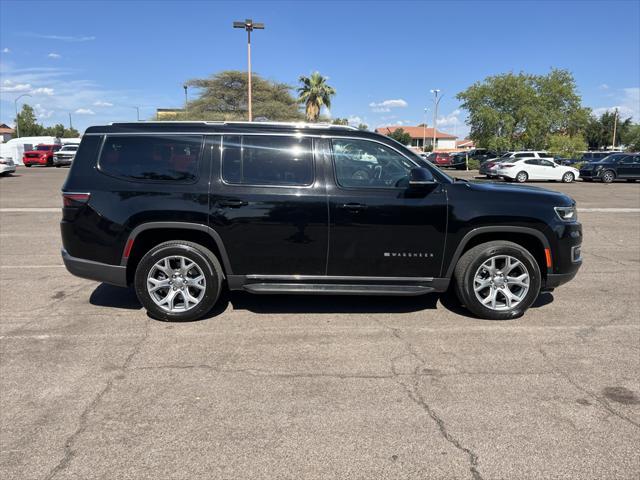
[[232, 203], [354, 207]]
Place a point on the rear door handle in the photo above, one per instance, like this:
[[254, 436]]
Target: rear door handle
[[354, 207], [232, 203]]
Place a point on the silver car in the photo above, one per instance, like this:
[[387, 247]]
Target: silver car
[[65, 155], [7, 166]]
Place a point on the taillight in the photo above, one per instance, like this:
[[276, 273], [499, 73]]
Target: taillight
[[75, 199]]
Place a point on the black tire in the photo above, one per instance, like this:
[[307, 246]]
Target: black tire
[[205, 260], [522, 177], [57, 166], [471, 261], [568, 177], [27, 165], [608, 176]]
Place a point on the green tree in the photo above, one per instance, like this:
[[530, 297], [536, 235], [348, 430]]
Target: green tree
[[27, 122], [340, 121], [401, 136], [55, 131], [363, 126], [223, 96], [566, 146], [599, 130], [631, 138], [71, 133], [515, 111], [315, 93]]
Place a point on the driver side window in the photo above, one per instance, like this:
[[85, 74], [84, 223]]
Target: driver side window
[[366, 164]]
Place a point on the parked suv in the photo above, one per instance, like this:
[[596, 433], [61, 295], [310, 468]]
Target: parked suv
[[65, 155], [623, 166], [41, 155], [182, 210], [459, 159]]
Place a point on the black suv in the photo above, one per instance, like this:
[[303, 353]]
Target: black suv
[[623, 166], [459, 159], [181, 210]]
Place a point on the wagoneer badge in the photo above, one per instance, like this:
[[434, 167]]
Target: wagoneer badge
[[409, 254]]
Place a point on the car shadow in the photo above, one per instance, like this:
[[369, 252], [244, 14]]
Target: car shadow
[[125, 298]]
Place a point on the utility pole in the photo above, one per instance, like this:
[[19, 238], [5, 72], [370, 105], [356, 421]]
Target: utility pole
[[186, 100], [249, 26], [436, 102], [137, 113], [15, 102], [615, 124], [70, 124], [424, 131]]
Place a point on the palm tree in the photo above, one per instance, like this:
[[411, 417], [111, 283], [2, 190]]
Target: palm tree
[[315, 93]]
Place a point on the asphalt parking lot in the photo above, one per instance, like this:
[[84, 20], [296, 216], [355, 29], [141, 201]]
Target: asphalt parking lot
[[316, 387]]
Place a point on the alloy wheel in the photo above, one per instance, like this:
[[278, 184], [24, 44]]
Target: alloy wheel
[[176, 283], [501, 282]]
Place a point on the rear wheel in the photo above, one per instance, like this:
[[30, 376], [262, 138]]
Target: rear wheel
[[497, 280], [28, 165], [522, 177], [568, 177], [178, 281], [608, 176]]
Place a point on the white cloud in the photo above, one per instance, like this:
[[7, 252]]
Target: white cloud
[[84, 111], [627, 103], [10, 86], [355, 120], [603, 86], [43, 91], [64, 38], [450, 120], [387, 105], [102, 103], [6, 50], [41, 112], [54, 55]]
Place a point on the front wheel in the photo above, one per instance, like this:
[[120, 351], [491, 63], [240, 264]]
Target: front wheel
[[522, 177], [568, 177], [178, 281], [497, 280]]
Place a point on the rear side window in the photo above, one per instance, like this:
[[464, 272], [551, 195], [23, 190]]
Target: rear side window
[[152, 157], [523, 155], [267, 160]]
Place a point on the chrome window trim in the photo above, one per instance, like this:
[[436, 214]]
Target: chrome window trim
[[337, 277]]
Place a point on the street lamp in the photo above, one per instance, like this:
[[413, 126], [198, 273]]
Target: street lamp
[[17, 120], [186, 99], [424, 131], [137, 112], [436, 102], [249, 26]]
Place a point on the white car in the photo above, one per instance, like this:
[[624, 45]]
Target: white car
[[65, 155], [523, 169], [7, 166]]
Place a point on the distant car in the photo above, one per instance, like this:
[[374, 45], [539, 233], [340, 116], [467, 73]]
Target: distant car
[[589, 157], [440, 159], [524, 169], [7, 166], [624, 166], [41, 155], [490, 168], [65, 155], [459, 159]]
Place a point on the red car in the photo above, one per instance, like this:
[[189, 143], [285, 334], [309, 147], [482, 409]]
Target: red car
[[41, 155], [440, 159]]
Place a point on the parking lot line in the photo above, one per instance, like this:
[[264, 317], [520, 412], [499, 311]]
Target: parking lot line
[[30, 209], [610, 210]]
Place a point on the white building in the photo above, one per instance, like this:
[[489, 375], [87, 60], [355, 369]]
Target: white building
[[445, 142]]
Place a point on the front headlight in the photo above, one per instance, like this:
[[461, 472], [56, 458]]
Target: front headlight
[[567, 214]]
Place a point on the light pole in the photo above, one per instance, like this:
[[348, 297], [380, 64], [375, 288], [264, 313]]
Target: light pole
[[186, 100], [16, 105], [249, 26], [615, 124], [436, 102], [424, 131], [70, 124], [137, 112]]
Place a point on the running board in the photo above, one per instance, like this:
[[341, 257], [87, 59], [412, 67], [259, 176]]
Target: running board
[[336, 289]]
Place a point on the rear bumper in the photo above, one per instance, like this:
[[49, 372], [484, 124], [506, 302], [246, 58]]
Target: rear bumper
[[100, 272]]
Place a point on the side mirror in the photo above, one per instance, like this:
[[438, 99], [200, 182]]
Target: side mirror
[[419, 177]]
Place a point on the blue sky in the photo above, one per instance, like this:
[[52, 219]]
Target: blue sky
[[97, 60]]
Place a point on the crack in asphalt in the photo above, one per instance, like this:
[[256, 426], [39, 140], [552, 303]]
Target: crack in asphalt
[[601, 401], [69, 453], [413, 392]]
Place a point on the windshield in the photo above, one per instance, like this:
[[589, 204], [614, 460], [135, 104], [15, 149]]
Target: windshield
[[72, 148], [43, 148]]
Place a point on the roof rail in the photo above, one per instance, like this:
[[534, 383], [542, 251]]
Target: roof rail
[[239, 122]]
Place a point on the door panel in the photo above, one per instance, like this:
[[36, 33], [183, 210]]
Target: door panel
[[378, 230], [275, 229]]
